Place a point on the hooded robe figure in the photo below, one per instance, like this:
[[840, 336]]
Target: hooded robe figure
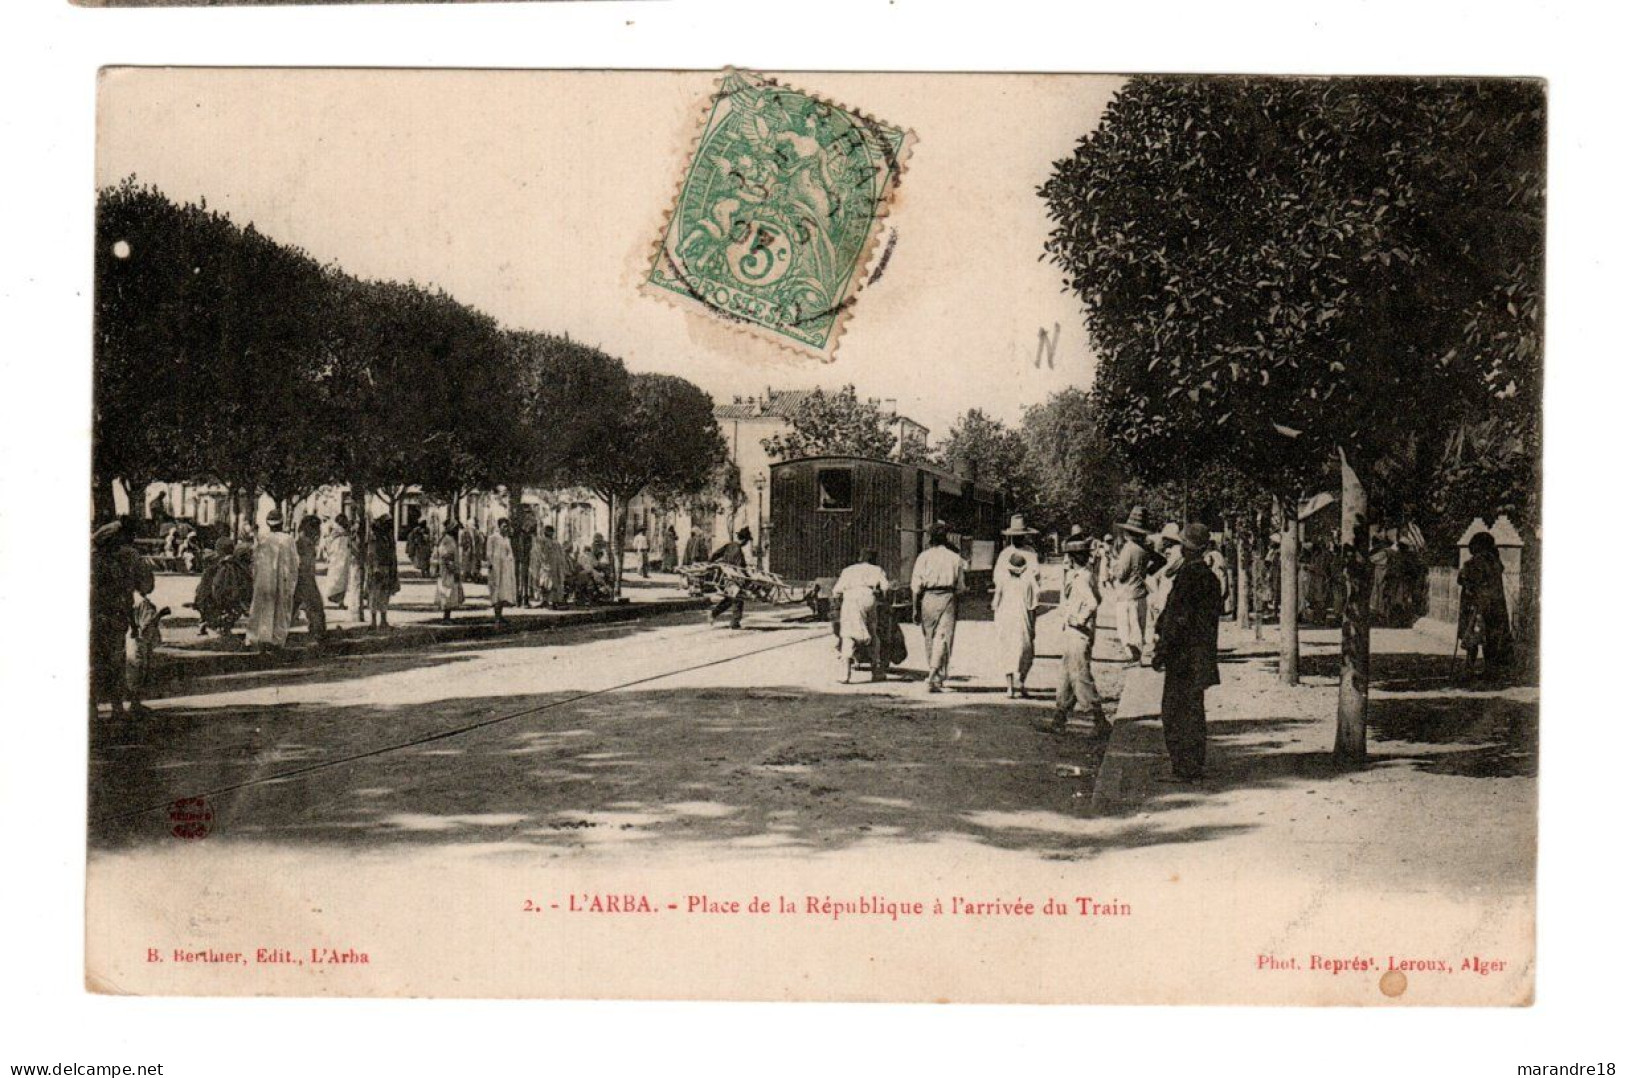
[[276, 575]]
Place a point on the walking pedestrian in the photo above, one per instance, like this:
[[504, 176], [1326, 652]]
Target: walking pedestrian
[[1015, 606], [1188, 656], [504, 576], [340, 560], [1161, 567], [1100, 560], [937, 583], [733, 596], [552, 569], [117, 575], [1483, 621], [1128, 574], [419, 548], [448, 590], [383, 571], [860, 590], [1020, 539], [640, 547], [468, 550], [1080, 609], [307, 596], [696, 549], [523, 536], [146, 633], [668, 550], [276, 575]]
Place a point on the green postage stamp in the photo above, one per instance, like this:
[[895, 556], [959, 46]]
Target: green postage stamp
[[778, 212]]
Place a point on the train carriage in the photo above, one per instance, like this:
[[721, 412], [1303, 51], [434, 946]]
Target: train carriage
[[827, 510]]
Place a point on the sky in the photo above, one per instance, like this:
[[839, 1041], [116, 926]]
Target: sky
[[539, 196]]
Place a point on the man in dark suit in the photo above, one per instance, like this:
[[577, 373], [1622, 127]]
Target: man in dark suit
[[1188, 655]]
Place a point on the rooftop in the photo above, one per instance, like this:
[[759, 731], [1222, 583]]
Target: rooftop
[[782, 404]]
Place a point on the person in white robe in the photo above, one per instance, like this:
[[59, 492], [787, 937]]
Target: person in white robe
[[276, 574], [859, 589], [1015, 603], [504, 578], [339, 560]]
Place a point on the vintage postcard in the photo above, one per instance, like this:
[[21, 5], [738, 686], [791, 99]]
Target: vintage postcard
[[816, 536]]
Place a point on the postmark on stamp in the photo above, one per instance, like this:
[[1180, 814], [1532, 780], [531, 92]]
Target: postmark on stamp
[[778, 212]]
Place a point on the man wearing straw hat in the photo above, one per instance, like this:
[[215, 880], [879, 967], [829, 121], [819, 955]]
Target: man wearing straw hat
[[1188, 656], [1020, 537], [1128, 574]]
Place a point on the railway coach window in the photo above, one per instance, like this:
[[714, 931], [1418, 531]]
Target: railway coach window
[[835, 489]]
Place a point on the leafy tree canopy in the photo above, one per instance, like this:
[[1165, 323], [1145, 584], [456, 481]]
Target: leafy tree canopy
[[834, 424], [1276, 269]]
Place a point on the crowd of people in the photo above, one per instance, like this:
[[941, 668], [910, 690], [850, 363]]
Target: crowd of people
[[1168, 595], [266, 579], [1167, 591]]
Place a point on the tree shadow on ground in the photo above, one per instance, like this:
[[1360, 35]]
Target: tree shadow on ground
[[1501, 735], [303, 668], [1412, 671], [771, 769], [1495, 738]]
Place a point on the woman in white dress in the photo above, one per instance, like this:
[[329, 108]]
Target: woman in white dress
[[1015, 602]]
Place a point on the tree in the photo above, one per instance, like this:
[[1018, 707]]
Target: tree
[[1279, 272], [469, 413], [834, 424], [208, 343], [1071, 470], [158, 299], [571, 393], [665, 440], [988, 453]]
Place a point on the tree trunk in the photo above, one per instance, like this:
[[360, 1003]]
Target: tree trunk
[[1244, 591], [135, 490], [1353, 690], [1288, 619], [103, 507], [615, 553], [1261, 583], [356, 599]]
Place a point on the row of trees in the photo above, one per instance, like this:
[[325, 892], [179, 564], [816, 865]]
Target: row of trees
[[223, 356], [1285, 278]]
